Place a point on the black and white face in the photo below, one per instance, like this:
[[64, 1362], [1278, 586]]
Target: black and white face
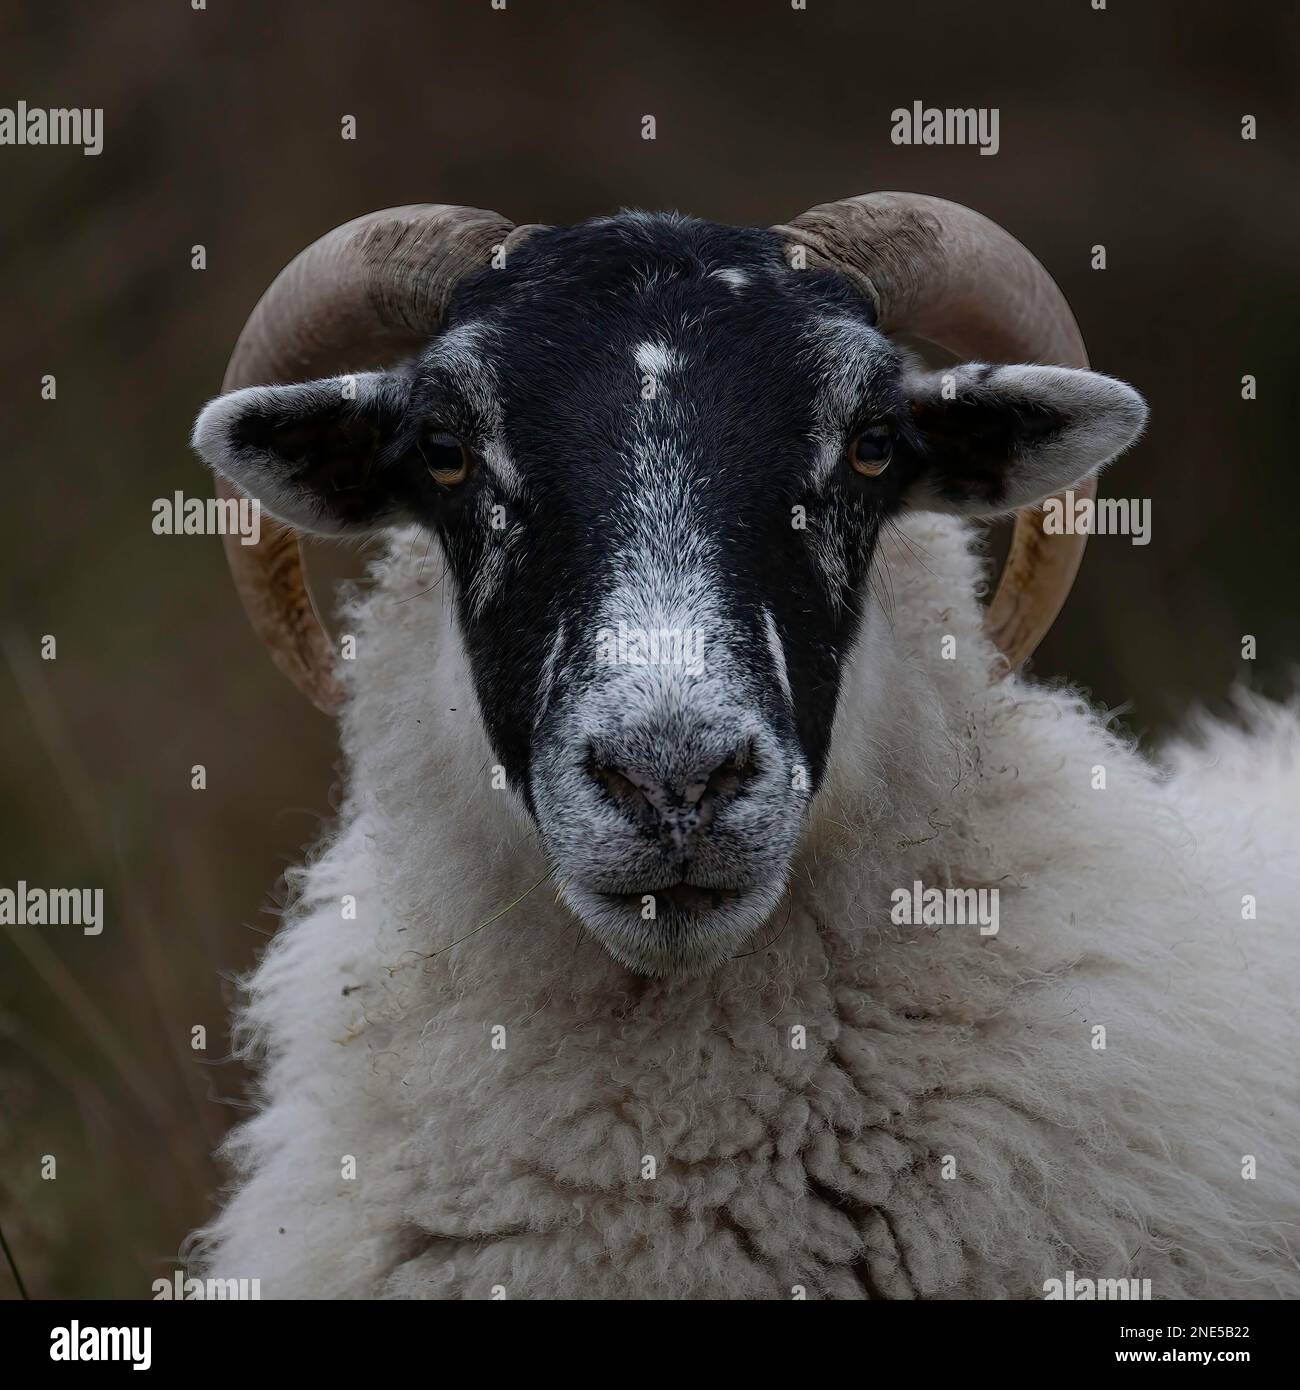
[[658, 461]]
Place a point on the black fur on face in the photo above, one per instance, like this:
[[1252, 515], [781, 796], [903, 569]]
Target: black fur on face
[[658, 460], [669, 397]]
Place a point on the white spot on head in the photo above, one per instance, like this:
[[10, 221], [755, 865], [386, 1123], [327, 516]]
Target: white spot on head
[[654, 358], [737, 279]]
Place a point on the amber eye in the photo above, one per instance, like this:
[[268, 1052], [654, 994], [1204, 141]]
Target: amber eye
[[446, 458], [871, 450]]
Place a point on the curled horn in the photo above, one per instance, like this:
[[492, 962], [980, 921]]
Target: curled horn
[[365, 295], [940, 272]]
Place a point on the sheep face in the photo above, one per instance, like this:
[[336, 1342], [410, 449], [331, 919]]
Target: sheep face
[[658, 460]]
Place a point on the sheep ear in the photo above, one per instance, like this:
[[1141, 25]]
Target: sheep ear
[[319, 456], [994, 439]]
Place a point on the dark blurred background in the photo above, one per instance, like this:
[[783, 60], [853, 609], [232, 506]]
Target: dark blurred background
[[222, 127]]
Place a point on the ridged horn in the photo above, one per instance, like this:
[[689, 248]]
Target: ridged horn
[[364, 296], [940, 272]]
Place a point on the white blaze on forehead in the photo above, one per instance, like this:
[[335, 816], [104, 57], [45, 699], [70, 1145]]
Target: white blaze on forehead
[[737, 279], [663, 562]]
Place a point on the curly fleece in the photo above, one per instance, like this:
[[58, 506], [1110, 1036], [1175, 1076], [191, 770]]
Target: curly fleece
[[463, 1097]]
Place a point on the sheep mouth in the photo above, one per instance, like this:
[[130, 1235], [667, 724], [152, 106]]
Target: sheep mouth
[[680, 929], [690, 899]]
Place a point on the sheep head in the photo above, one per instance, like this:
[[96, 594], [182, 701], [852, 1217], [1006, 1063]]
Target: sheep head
[[658, 454]]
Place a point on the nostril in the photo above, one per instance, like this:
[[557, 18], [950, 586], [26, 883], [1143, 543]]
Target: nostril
[[731, 777], [626, 790], [652, 799]]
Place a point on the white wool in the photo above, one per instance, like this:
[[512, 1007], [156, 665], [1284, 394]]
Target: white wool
[[929, 1050]]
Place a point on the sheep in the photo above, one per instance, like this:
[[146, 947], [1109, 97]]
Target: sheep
[[601, 987]]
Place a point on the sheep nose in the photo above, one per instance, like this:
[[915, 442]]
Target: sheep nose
[[676, 808]]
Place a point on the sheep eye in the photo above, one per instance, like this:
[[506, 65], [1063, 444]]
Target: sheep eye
[[446, 458], [871, 450]]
